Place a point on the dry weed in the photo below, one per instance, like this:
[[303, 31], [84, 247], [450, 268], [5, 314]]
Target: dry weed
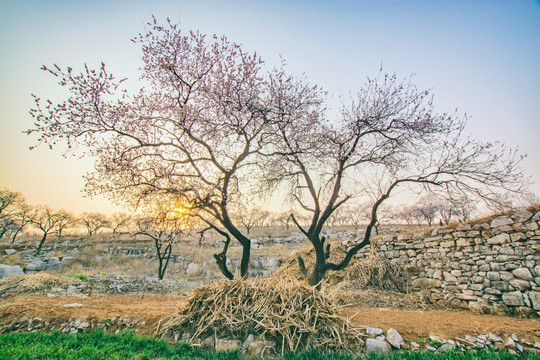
[[294, 316], [34, 284]]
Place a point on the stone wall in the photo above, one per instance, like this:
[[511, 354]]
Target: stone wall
[[490, 266]]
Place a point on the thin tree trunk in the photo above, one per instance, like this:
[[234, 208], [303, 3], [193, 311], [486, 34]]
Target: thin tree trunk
[[38, 251]]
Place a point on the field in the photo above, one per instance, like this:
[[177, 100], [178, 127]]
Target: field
[[111, 284]]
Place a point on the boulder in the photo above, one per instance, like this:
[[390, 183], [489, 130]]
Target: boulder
[[10, 251], [378, 346], [10, 270], [394, 338]]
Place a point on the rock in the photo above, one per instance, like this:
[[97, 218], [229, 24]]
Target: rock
[[73, 305], [227, 345], [445, 347], [10, 270], [414, 346], [534, 296], [72, 290], [494, 338], [394, 338], [522, 215], [378, 346], [520, 285], [373, 331], [449, 277], [523, 274], [193, 269], [10, 251], [257, 348], [83, 325], [501, 221], [499, 239], [513, 298], [248, 341], [35, 266], [207, 343]]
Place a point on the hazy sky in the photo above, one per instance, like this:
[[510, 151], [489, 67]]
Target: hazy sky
[[481, 57]]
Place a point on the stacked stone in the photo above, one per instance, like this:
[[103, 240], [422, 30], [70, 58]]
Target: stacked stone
[[491, 266]]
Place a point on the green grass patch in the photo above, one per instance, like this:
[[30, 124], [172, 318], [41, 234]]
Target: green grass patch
[[128, 345], [81, 277]]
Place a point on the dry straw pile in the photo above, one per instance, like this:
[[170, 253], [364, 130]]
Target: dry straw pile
[[370, 282], [40, 283], [294, 316]]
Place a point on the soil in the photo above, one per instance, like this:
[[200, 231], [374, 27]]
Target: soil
[[412, 325]]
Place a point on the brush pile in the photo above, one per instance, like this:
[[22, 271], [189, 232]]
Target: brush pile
[[374, 271], [40, 283], [293, 316], [373, 281]]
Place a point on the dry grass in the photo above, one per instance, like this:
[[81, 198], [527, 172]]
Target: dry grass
[[292, 315], [40, 283]]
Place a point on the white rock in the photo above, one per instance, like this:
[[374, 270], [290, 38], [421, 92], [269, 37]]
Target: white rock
[[378, 346], [373, 331], [10, 251], [394, 338]]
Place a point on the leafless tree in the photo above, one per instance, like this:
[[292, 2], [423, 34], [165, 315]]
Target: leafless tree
[[164, 224], [65, 219], [46, 220], [118, 221], [250, 217], [391, 130], [14, 213], [93, 222]]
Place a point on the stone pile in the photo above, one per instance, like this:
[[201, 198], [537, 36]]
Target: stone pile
[[492, 266], [379, 342]]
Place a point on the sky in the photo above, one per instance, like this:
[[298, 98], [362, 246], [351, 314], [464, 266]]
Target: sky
[[479, 57]]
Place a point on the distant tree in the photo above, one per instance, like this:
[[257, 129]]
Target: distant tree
[[118, 221], [65, 219], [93, 222], [46, 220], [282, 219], [164, 223], [22, 214], [250, 217], [10, 203]]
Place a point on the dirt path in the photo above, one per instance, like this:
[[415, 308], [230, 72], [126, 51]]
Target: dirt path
[[152, 308]]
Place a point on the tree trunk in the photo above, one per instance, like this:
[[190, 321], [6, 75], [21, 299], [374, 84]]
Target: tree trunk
[[38, 251], [244, 264]]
